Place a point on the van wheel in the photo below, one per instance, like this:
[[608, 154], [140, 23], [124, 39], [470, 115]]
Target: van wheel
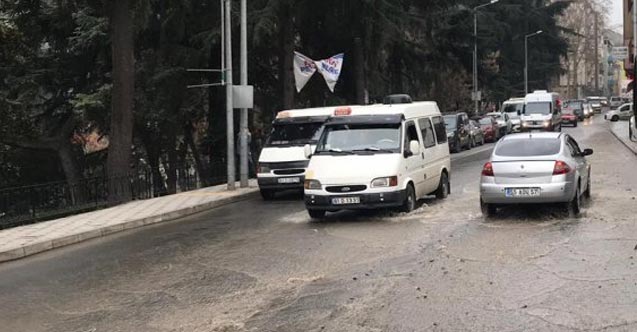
[[443, 186], [488, 210], [316, 214], [410, 200], [267, 194]]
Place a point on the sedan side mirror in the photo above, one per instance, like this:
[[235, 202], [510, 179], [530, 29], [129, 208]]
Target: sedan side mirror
[[587, 152], [307, 149]]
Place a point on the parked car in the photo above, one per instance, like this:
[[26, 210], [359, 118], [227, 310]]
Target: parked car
[[624, 112], [490, 128], [535, 168], [569, 117], [504, 122], [375, 157], [615, 102], [458, 134], [477, 135], [577, 105], [542, 111], [631, 131], [513, 108]]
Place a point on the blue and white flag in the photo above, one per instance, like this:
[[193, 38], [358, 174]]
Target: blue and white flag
[[305, 67]]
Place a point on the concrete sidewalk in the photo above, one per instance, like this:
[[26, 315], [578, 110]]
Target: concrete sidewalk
[[27, 240], [620, 130]]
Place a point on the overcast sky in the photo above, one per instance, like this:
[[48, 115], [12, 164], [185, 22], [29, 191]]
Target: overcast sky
[[617, 16]]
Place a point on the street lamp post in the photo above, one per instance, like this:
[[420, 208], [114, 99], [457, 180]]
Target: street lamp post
[[475, 54], [526, 60]]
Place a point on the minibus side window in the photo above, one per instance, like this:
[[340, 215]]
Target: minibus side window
[[427, 132], [411, 134], [441, 131]]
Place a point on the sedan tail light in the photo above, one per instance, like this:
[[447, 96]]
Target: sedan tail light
[[561, 168], [487, 170]]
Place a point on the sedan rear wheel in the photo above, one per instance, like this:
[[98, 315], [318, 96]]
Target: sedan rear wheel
[[573, 207], [488, 210]]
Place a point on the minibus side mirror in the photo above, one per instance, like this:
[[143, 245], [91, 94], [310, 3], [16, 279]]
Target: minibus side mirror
[[307, 149]]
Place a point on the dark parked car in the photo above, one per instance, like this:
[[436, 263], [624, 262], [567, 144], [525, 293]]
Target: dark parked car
[[458, 132], [477, 135], [490, 129]]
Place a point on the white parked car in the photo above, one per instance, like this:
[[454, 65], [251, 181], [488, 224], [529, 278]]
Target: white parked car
[[513, 108], [615, 102], [624, 112], [378, 156]]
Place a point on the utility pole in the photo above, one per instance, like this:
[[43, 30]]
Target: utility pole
[[526, 60], [475, 55], [596, 44], [229, 103], [243, 130]]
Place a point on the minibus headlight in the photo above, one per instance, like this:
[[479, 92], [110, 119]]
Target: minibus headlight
[[312, 184], [390, 181]]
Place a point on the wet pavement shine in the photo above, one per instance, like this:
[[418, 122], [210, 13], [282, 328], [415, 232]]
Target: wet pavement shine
[[265, 266]]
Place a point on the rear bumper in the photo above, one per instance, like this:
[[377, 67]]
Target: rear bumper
[[550, 193], [569, 121], [367, 201]]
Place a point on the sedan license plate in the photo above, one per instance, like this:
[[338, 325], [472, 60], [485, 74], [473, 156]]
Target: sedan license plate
[[346, 200], [522, 192], [290, 180]]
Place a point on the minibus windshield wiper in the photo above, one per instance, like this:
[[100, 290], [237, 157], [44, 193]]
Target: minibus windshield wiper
[[373, 149], [339, 151]]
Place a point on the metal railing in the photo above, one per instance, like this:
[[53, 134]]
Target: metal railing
[[31, 204]]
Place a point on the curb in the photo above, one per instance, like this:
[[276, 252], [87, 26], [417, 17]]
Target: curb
[[35, 248], [626, 144]]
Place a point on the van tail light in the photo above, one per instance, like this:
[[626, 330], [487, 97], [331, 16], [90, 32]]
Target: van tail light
[[561, 168], [487, 170]]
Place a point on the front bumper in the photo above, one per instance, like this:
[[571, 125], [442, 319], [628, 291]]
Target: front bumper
[[550, 193], [367, 201], [272, 183]]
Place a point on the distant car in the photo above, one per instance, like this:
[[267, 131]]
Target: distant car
[[569, 117], [513, 108], [458, 134], [615, 102], [535, 168], [477, 135], [490, 128], [577, 106], [588, 110], [596, 104], [504, 122], [624, 112]]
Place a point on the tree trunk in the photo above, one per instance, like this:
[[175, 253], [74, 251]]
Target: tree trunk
[[172, 161], [190, 143], [286, 57], [121, 130]]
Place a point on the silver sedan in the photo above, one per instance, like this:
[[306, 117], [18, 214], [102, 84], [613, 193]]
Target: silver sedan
[[536, 168]]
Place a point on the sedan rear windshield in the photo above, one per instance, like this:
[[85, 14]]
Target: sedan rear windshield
[[528, 147]]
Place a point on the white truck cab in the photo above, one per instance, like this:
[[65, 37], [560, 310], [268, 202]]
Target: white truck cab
[[378, 156], [282, 162], [542, 111]]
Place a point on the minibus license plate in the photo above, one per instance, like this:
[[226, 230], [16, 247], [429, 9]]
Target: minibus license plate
[[346, 200], [289, 180], [523, 192]]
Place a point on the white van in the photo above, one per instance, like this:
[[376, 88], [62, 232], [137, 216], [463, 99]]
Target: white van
[[542, 111], [378, 156], [514, 107], [282, 162]]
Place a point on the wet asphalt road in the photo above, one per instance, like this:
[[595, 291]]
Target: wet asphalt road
[[256, 266]]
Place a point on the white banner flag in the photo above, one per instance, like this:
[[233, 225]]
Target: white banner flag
[[331, 69], [304, 68]]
